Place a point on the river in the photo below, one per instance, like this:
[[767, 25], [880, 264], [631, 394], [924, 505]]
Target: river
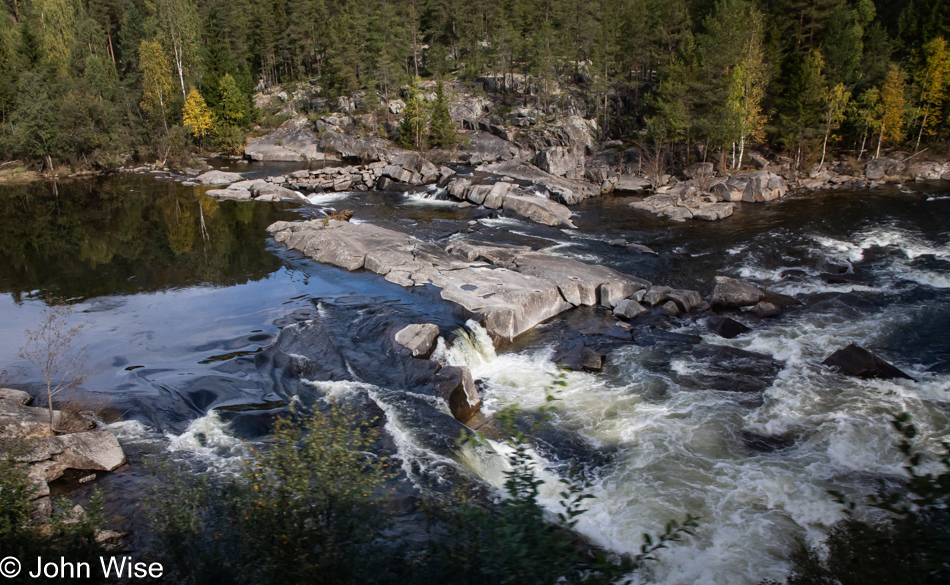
[[181, 296]]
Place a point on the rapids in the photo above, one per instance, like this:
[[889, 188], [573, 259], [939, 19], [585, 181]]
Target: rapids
[[200, 331]]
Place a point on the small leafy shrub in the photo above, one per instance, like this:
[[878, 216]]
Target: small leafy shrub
[[71, 538], [307, 510]]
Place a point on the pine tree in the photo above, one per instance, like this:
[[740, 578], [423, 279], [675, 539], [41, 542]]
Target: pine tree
[[442, 130], [197, 116], [412, 128], [233, 102]]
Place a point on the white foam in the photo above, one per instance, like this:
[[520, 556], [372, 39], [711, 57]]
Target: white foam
[[324, 198], [681, 454], [208, 439]]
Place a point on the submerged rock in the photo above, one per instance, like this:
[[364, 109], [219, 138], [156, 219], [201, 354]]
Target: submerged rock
[[575, 355], [858, 362]]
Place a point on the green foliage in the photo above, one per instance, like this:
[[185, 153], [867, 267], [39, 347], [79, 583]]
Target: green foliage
[[307, 509], [81, 83], [63, 536], [234, 108], [441, 128], [412, 128]]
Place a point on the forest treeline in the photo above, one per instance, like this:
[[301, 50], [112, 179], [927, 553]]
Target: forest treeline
[[85, 81]]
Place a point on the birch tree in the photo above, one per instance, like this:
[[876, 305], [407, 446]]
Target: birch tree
[[156, 81], [178, 26], [932, 79]]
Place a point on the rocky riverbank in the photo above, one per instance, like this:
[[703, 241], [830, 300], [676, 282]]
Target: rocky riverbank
[[27, 440]]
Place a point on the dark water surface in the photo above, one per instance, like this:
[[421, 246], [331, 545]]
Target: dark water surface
[[181, 296]]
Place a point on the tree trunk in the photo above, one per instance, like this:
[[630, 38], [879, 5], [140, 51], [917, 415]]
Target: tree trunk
[[180, 66], [864, 139], [741, 152], [824, 148], [921, 133], [880, 138]]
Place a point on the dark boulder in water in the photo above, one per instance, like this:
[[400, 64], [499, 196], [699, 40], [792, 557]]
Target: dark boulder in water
[[731, 293], [841, 278], [455, 385], [763, 443], [575, 355], [858, 362], [725, 327]]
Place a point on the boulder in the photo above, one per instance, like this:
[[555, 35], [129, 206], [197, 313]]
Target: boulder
[[218, 178], [397, 173], [686, 300], [858, 362], [725, 327], [731, 293], [561, 161], [48, 471], [875, 169], [656, 295], [18, 396], [763, 186], [632, 183], [766, 310], [419, 339], [539, 209], [229, 194], [629, 309], [700, 170], [272, 192], [29, 450], [568, 191], [577, 357], [26, 422], [396, 106], [455, 385], [93, 450], [670, 309]]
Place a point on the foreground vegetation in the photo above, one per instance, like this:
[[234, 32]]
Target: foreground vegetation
[[315, 508], [86, 82]]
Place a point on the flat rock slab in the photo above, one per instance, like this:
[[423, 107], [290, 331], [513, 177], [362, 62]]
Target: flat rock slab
[[93, 450], [509, 289], [218, 178], [418, 338], [18, 421], [18, 396], [570, 191]]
